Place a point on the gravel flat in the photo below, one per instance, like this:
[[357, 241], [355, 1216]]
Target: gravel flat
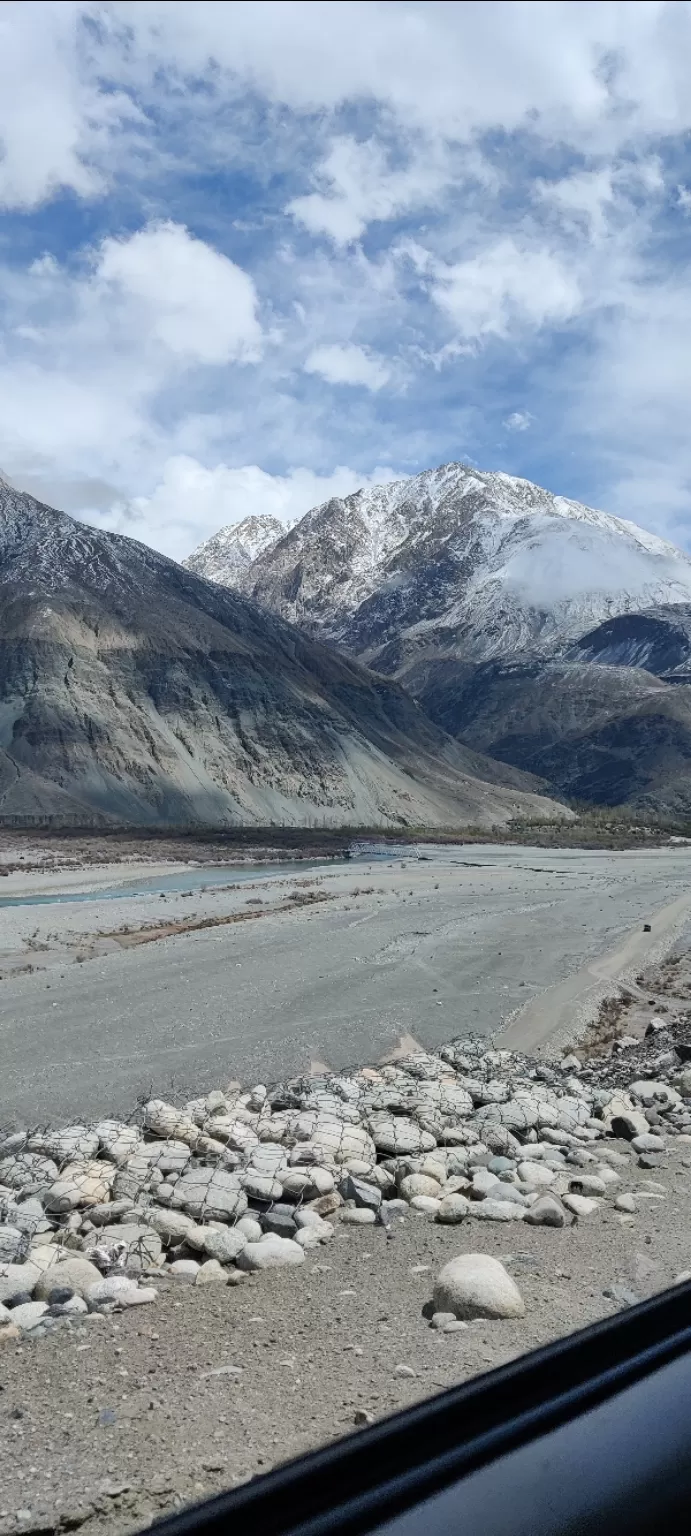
[[130, 1416], [427, 949]]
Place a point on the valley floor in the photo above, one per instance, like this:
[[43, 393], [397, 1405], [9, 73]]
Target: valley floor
[[103, 1000]]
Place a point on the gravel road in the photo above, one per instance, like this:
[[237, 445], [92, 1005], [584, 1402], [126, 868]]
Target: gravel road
[[429, 949]]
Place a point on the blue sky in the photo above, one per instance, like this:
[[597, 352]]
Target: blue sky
[[253, 255]]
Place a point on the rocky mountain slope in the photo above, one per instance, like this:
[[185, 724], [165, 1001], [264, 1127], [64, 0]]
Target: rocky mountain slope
[[658, 639], [458, 562], [608, 735], [228, 554], [491, 599], [131, 688]]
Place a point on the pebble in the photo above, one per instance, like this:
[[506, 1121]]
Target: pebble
[[357, 1216], [625, 1203], [477, 1285], [404, 1370]]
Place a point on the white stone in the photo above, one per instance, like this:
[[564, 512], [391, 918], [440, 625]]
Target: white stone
[[210, 1192], [497, 1210], [17, 1278], [397, 1136], [80, 1184], [535, 1174], [426, 1203], [250, 1227], [184, 1269], [165, 1120], [28, 1314], [224, 1245], [171, 1226], [580, 1205], [476, 1285], [271, 1253], [113, 1288], [452, 1209]]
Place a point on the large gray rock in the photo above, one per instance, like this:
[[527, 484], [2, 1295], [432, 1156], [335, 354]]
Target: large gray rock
[[28, 1171], [398, 1136], [224, 1245], [13, 1244], [452, 1209], [74, 1143], [476, 1285], [15, 1279], [211, 1193], [29, 1314], [171, 1226], [75, 1274], [135, 1245], [364, 1194], [547, 1211], [270, 1253], [497, 1210]]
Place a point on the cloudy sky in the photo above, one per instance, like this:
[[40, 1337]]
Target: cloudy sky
[[255, 254]]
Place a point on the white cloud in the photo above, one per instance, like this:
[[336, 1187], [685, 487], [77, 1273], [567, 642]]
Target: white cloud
[[519, 421], [55, 113], [358, 185], [348, 365], [505, 288], [191, 501], [584, 198], [189, 297]]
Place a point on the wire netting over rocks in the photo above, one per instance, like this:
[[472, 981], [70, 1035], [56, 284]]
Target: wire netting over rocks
[[238, 1180]]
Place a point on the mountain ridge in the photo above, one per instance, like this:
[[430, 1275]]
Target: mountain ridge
[[132, 688]]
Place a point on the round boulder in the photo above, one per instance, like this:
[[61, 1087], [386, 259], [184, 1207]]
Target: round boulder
[[476, 1285]]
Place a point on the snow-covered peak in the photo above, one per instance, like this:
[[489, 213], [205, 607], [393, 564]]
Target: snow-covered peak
[[469, 562], [229, 553]]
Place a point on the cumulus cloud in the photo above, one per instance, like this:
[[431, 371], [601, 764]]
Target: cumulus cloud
[[504, 288], [519, 421], [191, 298], [358, 185], [348, 365], [454, 185]]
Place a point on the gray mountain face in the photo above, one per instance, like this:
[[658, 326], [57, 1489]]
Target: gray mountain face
[[658, 639], [458, 562], [518, 619], [133, 689], [228, 554]]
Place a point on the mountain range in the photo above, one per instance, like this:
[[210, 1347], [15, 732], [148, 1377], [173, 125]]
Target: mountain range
[[133, 690], [552, 636]]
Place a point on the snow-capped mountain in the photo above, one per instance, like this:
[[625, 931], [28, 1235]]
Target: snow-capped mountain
[[134, 690], [458, 562], [227, 555]]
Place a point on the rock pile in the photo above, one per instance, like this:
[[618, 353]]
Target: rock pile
[[237, 1182]]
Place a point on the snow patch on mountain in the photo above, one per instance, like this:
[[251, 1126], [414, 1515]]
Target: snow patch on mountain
[[230, 552], [467, 562]]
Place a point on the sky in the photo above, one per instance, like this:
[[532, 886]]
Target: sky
[[256, 255]]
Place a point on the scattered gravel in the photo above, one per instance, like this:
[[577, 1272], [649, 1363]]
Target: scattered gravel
[[459, 1159]]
